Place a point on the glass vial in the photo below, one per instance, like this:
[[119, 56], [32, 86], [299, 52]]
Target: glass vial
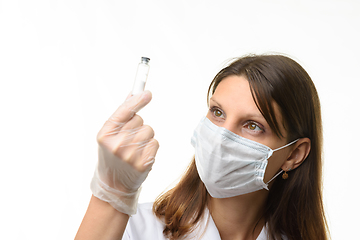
[[141, 75]]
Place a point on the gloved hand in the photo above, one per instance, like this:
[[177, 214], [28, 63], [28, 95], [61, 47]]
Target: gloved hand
[[127, 150]]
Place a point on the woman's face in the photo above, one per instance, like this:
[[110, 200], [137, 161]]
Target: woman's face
[[233, 107]]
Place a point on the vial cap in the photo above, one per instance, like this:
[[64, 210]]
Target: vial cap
[[145, 59]]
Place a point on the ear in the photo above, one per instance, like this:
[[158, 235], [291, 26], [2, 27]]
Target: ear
[[298, 154]]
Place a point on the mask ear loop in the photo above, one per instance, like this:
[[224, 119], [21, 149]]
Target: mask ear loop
[[286, 145], [285, 175], [275, 176]]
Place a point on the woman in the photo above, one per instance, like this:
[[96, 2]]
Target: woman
[[256, 173]]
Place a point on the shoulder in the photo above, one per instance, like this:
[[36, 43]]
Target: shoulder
[[144, 223]]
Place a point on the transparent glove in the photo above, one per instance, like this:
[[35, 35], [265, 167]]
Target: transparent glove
[[127, 150]]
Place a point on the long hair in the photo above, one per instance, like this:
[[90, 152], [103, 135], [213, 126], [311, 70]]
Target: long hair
[[294, 207]]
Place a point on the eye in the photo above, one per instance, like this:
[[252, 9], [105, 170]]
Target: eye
[[254, 127], [217, 112]]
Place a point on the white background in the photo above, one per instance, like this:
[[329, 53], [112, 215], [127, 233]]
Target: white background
[[65, 66]]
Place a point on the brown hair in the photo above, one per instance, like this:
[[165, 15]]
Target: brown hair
[[294, 207]]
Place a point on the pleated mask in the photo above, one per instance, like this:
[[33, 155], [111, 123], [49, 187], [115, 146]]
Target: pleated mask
[[228, 164]]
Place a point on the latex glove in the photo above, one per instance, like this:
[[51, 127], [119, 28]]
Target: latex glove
[[127, 150]]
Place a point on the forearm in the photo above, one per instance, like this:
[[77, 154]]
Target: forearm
[[102, 221]]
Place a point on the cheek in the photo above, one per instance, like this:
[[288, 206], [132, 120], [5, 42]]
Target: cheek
[[208, 115], [274, 165]]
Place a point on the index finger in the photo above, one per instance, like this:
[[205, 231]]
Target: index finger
[[130, 107]]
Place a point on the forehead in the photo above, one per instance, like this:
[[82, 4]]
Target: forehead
[[235, 94]]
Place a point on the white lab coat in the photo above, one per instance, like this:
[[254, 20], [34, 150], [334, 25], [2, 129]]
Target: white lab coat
[[144, 225]]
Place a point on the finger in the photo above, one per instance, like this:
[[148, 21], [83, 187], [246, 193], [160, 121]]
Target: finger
[[126, 111], [134, 140], [148, 155], [133, 124], [144, 134], [131, 106]]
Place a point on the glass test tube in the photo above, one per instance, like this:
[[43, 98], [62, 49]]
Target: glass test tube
[[141, 75]]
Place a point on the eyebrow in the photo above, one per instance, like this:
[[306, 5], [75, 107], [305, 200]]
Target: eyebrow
[[211, 99], [250, 115]]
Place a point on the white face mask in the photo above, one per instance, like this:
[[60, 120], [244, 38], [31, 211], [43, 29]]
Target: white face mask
[[228, 164]]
